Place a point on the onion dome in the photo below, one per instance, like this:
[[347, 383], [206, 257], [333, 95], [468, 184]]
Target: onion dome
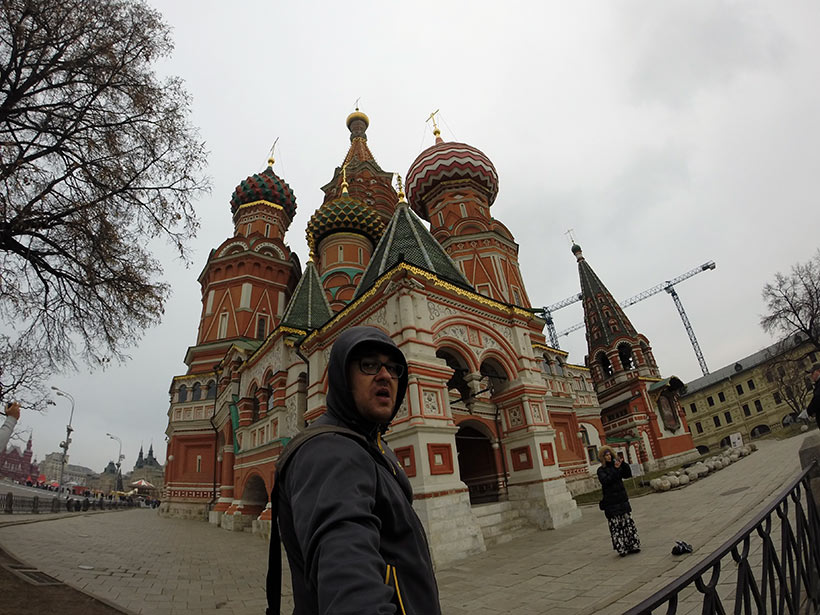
[[448, 161], [264, 186], [343, 214], [357, 123]]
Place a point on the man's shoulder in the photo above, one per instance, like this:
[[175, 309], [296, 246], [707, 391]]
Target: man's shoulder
[[328, 443]]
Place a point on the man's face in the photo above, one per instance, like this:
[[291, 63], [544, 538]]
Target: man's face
[[815, 375], [373, 394]]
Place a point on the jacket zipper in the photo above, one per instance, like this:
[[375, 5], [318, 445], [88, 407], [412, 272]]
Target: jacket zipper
[[384, 454], [395, 585]]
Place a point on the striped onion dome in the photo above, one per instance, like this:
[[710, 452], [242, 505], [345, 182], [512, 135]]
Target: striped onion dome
[[448, 161], [343, 214], [264, 186]]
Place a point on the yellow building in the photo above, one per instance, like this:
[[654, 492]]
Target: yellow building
[[756, 395]]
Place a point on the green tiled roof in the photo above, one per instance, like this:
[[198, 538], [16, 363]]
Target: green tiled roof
[[308, 308], [406, 239]]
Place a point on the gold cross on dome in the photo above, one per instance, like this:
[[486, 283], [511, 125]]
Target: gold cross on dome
[[270, 154], [433, 119]]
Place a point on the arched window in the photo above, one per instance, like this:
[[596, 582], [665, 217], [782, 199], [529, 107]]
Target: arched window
[[559, 367], [182, 393], [626, 356], [254, 405], [606, 365], [270, 397], [211, 392], [196, 392]]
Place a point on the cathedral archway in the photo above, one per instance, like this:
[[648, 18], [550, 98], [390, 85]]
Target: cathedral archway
[[254, 495], [477, 462], [459, 391]]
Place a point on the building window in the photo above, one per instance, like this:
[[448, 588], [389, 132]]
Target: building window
[[463, 210], [196, 392], [516, 296], [758, 406], [245, 299], [261, 327], [341, 254], [361, 256], [746, 410], [223, 325], [199, 463], [739, 389], [698, 427], [710, 400], [769, 377], [267, 230], [728, 417], [750, 384], [209, 304], [247, 233], [716, 419], [182, 394], [693, 408], [721, 397], [777, 398], [211, 394]]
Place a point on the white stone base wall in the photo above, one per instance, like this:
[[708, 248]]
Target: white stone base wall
[[236, 523], [184, 510], [548, 505], [452, 529], [262, 528], [215, 517], [583, 485]]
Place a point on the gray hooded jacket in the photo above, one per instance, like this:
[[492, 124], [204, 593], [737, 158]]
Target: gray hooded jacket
[[354, 542]]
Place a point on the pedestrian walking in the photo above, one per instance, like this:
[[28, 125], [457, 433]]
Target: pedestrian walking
[[813, 408], [12, 416], [342, 502], [615, 502]]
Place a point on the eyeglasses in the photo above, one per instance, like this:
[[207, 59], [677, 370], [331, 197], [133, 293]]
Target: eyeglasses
[[371, 367]]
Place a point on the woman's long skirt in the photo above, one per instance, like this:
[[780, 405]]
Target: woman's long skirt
[[624, 534]]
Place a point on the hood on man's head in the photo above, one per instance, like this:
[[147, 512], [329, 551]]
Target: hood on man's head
[[339, 396]]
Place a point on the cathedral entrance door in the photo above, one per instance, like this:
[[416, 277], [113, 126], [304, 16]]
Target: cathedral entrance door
[[477, 466]]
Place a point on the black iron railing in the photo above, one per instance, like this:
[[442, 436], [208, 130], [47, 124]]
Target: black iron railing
[[772, 565], [11, 503]]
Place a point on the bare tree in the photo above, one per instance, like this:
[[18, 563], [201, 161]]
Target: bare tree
[[97, 159], [793, 303], [789, 373]]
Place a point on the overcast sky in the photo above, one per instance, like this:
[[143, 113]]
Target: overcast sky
[[666, 134]]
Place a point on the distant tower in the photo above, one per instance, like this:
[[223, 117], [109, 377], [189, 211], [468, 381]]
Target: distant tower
[[453, 185], [640, 411]]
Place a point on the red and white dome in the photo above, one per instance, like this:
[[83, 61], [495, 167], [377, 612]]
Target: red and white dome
[[448, 161]]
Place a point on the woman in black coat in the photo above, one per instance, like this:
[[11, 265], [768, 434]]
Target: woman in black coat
[[615, 502]]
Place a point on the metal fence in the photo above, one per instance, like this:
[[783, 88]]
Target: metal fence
[[772, 565], [11, 503]]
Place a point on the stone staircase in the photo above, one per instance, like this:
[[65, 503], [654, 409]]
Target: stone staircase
[[500, 523]]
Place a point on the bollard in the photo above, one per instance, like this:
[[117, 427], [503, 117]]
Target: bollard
[[85, 504], [35, 505], [55, 505], [9, 503]]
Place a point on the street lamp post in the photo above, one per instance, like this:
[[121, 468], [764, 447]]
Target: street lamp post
[[119, 461], [68, 430]]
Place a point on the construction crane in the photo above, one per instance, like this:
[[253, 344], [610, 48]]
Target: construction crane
[[546, 313], [667, 286]]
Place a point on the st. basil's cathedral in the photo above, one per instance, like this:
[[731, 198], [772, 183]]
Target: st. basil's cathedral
[[497, 430]]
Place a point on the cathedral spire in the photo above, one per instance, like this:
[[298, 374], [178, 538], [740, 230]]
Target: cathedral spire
[[614, 345]]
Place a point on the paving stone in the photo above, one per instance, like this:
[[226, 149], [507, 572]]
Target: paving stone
[[178, 567]]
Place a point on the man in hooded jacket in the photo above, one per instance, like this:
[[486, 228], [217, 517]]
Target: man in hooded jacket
[[354, 542]]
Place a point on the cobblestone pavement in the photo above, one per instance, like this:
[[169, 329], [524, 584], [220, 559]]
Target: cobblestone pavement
[[146, 564]]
